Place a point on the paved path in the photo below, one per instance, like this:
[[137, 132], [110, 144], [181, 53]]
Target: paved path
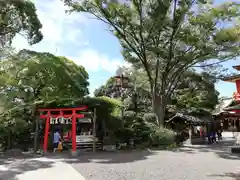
[[38, 169], [195, 163], [213, 162]]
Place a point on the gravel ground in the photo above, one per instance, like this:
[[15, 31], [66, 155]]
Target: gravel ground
[[195, 163]]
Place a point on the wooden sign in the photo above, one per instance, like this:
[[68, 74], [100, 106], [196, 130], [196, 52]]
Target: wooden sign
[[84, 120]]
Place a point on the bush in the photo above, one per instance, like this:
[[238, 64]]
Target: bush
[[150, 117], [142, 131], [162, 137], [129, 114], [129, 117], [108, 111]]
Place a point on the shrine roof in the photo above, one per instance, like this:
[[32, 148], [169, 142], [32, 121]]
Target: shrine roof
[[223, 104], [232, 78], [236, 107], [192, 119], [237, 67], [64, 108]]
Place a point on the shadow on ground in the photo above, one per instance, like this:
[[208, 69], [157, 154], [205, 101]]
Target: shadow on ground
[[221, 149], [235, 176], [11, 167], [112, 157]]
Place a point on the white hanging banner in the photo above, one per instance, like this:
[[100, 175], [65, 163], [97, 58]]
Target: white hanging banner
[[61, 120]]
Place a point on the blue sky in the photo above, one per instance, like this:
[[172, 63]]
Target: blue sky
[[87, 42]]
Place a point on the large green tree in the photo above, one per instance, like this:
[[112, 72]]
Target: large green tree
[[29, 80], [30, 75], [19, 16], [194, 93], [167, 37]]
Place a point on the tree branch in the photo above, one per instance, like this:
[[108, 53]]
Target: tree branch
[[212, 64]]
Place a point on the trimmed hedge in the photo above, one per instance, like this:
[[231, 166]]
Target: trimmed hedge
[[162, 137], [150, 117]]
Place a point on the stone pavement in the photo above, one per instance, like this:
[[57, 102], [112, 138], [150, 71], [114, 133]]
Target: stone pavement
[[38, 169], [205, 162]]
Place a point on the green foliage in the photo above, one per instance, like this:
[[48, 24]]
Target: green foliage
[[100, 91], [167, 38], [42, 77], [162, 137], [18, 17], [150, 117], [30, 80], [136, 96], [15, 129], [194, 93], [141, 130], [146, 133], [108, 110], [129, 114]]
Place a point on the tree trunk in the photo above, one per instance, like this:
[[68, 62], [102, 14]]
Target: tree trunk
[[35, 146], [159, 109], [9, 145]]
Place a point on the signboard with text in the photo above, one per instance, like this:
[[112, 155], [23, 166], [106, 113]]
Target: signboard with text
[[84, 120]]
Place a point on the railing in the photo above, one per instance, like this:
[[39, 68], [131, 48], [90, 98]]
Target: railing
[[85, 142]]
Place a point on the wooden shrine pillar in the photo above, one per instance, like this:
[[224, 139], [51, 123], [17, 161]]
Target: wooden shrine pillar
[[238, 85], [234, 123], [205, 129], [47, 124], [74, 126]]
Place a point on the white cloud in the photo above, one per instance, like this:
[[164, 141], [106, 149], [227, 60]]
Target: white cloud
[[58, 28], [62, 31], [95, 61]]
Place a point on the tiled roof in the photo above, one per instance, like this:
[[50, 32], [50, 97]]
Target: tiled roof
[[192, 119], [237, 67], [223, 103], [232, 107], [231, 78]]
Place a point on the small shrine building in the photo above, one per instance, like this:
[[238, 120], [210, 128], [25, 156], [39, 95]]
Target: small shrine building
[[227, 113]]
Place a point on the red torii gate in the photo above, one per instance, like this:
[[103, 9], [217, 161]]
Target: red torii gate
[[46, 113]]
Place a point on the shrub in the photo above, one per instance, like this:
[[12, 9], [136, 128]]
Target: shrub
[[150, 117], [129, 117], [129, 114], [142, 131], [162, 137], [108, 111]]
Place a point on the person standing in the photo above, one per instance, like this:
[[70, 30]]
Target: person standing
[[219, 135], [214, 139], [56, 140], [209, 137]]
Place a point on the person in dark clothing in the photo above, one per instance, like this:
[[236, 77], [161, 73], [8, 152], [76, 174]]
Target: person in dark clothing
[[219, 134], [214, 139], [209, 137]]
